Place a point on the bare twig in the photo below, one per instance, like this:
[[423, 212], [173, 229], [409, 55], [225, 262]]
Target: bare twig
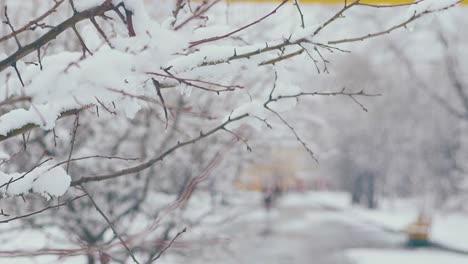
[[202, 41], [151, 162], [42, 210], [83, 44], [101, 32], [110, 224], [281, 58], [157, 86], [72, 144], [390, 5], [169, 245], [296, 3], [191, 82], [53, 33], [18, 73], [291, 128], [200, 11], [179, 6], [32, 22], [94, 157], [13, 32], [130, 27], [392, 28]]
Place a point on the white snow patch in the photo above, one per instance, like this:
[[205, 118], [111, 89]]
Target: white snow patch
[[42, 180], [371, 256], [54, 182]]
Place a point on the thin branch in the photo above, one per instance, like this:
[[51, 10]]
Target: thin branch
[[94, 157], [72, 144], [238, 137], [13, 32], [191, 82], [33, 22], [151, 162], [42, 210], [110, 224], [291, 128], [296, 3], [341, 92], [393, 28], [39, 59], [83, 44], [334, 17], [157, 86], [200, 11], [325, 62], [169, 245], [358, 103], [52, 34], [281, 58], [311, 57], [390, 5], [130, 27], [18, 73], [202, 41], [101, 32], [337, 15], [175, 13]]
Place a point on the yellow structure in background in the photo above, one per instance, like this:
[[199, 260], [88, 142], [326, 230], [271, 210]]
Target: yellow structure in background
[[464, 2], [259, 177], [278, 168]]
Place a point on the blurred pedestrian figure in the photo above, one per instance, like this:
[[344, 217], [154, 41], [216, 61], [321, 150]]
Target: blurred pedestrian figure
[[268, 198], [277, 191]]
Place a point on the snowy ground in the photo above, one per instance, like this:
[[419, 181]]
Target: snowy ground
[[303, 227], [367, 256], [449, 230], [322, 227]]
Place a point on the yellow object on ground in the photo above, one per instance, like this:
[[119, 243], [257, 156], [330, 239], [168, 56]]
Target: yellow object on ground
[[419, 231]]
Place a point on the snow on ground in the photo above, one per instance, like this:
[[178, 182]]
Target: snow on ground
[[337, 200], [448, 229], [314, 214], [451, 230], [394, 219], [373, 256]]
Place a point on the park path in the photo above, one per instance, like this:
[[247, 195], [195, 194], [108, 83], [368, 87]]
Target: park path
[[297, 234]]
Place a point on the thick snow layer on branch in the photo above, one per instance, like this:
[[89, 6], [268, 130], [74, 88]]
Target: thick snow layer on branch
[[54, 182], [213, 53], [82, 5], [45, 180]]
